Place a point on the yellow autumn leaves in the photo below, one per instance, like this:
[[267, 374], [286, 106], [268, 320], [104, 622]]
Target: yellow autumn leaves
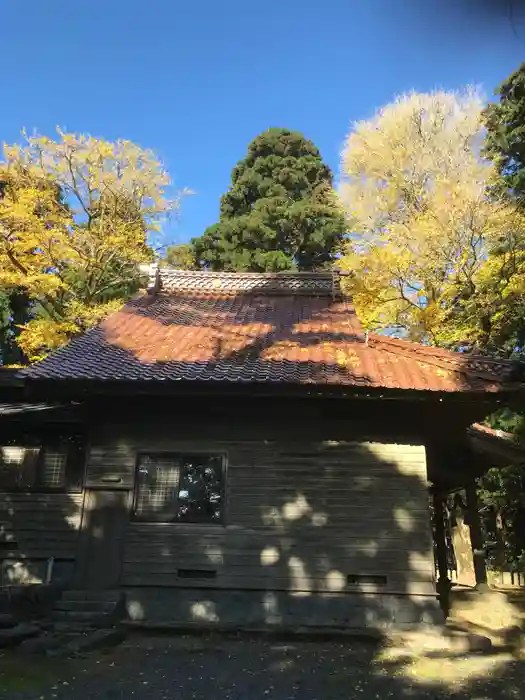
[[75, 216], [431, 246], [429, 242]]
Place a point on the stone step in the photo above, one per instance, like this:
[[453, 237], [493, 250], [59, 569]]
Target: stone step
[[14, 635], [435, 640], [96, 639], [72, 628], [39, 645], [90, 617], [72, 642], [90, 595], [95, 606], [7, 620]]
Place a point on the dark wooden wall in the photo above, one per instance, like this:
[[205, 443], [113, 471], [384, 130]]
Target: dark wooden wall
[[302, 513], [317, 491], [40, 525], [42, 519]]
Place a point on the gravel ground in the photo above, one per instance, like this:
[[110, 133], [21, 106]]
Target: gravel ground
[[222, 669]]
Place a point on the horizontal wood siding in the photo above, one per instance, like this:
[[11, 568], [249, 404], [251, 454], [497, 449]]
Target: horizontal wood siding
[[110, 465], [299, 517], [37, 526]]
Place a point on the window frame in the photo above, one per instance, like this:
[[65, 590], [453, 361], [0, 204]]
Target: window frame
[[137, 518]]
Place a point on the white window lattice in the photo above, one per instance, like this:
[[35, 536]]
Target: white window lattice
[[180, 488]]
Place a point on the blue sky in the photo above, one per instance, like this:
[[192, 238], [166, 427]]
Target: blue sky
[[197, 80]]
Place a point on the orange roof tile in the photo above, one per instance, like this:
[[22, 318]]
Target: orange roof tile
[[250, 328]]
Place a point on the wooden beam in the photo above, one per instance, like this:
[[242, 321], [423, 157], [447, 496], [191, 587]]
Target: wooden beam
[[476, 535]]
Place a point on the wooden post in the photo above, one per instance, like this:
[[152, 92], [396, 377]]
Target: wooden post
[[476, 534], [443, 584], [500, 540], [441, 542]]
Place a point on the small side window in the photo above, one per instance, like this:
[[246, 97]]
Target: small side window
[[38, 468], [180, 487], [18, 467], [53, 468]]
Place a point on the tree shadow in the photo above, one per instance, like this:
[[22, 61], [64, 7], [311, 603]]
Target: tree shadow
[[258, 339], [211, 666], [327, 521], [253, 339], [320, 533], [458, 676]]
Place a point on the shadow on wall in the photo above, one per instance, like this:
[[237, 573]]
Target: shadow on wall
[[40, 509], [318, 534], [301, 542]]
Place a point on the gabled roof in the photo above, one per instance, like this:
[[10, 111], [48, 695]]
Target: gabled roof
[[286, 328]]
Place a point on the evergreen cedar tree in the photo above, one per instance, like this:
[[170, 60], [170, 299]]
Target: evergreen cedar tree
[[505, 139], [280, 212]]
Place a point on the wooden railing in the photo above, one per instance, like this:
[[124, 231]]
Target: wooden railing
[[506, 579], [497, 579]]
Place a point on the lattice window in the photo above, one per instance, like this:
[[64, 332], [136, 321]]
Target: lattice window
[[180, 488], [32, 468], [53, 469], [157, 487]]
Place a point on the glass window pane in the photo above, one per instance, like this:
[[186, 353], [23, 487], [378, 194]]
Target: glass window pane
[[201, 488], [18, 466], [158, 483], [182, 487]]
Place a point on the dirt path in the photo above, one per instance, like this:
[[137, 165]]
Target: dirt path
[[215, 669]]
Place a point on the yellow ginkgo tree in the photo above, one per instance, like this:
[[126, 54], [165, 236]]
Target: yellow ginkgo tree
[[431, 251], [76, 217]]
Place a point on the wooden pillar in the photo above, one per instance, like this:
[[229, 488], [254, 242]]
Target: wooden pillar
[[476, 534], [500, 539], [441, 542]]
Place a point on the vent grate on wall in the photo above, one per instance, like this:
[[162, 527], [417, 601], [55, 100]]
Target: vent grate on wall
[[375, 579], [197, 573]]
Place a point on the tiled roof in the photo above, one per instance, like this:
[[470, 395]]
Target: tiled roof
[[250, 328]]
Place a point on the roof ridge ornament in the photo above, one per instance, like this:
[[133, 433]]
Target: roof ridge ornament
[[154, 283], [233, 283]]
